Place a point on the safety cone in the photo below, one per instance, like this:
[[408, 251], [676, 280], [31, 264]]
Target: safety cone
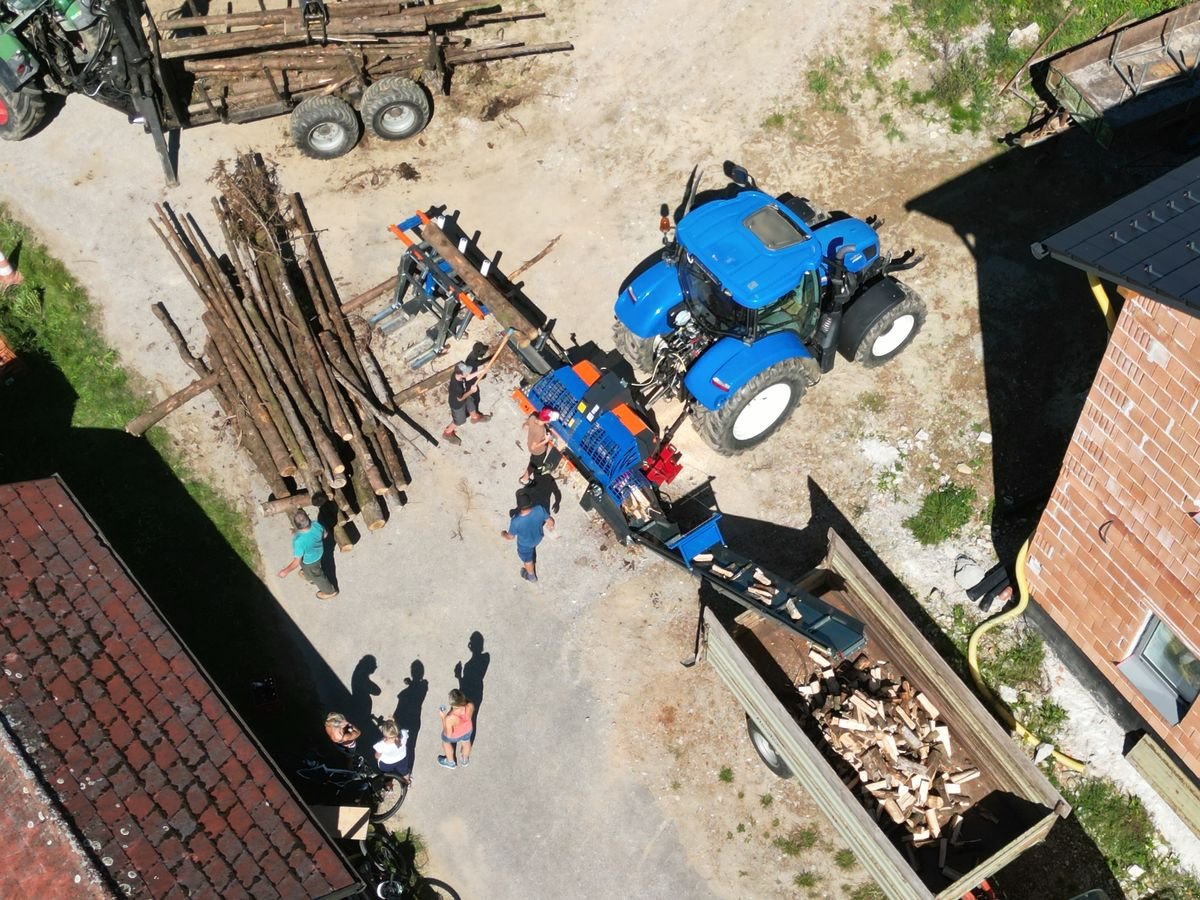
[[8, 275]]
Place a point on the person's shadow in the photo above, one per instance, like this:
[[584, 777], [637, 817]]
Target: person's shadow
[[327, 516], [470, 675], [543, 490], [408, 705], [362, 689]]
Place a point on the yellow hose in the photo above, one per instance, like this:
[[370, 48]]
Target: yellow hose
[[1104, 302], [973, 663]]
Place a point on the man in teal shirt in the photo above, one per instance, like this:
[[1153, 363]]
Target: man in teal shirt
[[308, 548]]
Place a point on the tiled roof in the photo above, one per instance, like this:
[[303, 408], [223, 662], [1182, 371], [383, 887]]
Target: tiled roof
[[1148, 240], [156, 773]]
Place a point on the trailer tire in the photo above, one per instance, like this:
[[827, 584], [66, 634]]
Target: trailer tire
[[394, 108], [21, 112], [638, 350], [756, 410], [766, 750], [325, 127], [892, 331]]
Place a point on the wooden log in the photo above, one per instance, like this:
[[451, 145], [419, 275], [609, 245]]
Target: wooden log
[[342, 10], [249, 435], [359, 301], [139, 425], [892, 808], [368, 502], [964, 776], [285, 504], [930, 709], [341, 537]]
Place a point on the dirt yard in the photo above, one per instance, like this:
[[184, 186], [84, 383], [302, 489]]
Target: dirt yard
[[584, 147]]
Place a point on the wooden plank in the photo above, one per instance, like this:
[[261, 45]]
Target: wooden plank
[[1168, 781]]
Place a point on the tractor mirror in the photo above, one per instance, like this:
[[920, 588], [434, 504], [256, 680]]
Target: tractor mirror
[[737, 174]]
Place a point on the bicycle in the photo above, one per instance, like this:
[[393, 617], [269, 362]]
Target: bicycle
[[357, 786], [388, 866]]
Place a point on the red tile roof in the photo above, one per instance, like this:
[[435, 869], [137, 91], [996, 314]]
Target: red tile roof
[[155, 771]]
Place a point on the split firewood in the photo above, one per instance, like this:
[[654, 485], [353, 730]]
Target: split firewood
[[931, 819], [848, 724], [722, 571], [862, 663], [761, 577], [929, 708], [956, 825], [964, 776], [792, 611], [893, 810], [702, 558], [819, 658], [763, 594], [933, 801], [899, 713]]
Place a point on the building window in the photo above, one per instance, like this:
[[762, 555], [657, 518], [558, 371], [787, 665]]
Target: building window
[[1164, 670]]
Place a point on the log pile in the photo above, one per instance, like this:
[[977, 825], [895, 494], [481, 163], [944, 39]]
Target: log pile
[[250, 59], [308, 400], [895, 748]]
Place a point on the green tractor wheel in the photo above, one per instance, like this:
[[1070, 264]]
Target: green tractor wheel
[[21, 112]]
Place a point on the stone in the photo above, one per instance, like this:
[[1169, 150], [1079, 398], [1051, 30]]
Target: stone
[[1042, 753], [1025, 38], [1135, 871], [1008, 694], [967, 572], [922, 435], [984, 437], [964, 469]]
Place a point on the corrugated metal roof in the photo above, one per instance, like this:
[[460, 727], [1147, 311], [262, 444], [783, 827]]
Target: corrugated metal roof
[[1148, 241]]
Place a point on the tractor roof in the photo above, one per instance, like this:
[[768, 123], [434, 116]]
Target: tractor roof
[[755, 248]]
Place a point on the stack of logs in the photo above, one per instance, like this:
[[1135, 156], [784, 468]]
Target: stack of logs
[[309, 402], [250, 58], [897, 750]]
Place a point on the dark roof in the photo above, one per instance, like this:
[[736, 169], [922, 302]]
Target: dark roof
[[159, 778], [1148, 241]]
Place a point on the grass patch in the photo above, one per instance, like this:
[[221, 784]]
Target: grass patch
[[868, 891], [806, 879], [942, 515], [725, 775], [845, 858], [797, 842], [50, 316], [1017, 663], [766, 800], [774, 121], [831, 85], [1044, 719], [872, 401]]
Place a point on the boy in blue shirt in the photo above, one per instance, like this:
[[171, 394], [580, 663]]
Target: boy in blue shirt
[[527, 528], [308, 548]]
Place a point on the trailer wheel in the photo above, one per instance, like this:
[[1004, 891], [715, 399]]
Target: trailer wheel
[[325, 127], [892, 331], [756, 410], [638, 350], [766, 751], [394, 108], [21, 112]]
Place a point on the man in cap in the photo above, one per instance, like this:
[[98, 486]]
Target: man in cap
[[464, 400], [539, 440]]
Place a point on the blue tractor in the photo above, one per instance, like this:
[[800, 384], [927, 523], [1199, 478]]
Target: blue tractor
[[750, 302]]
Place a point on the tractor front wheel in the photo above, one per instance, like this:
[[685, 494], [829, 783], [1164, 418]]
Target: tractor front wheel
[[325, 127], [394, 108], [756, 410], [638, 350], [21, 112], [892, 331]]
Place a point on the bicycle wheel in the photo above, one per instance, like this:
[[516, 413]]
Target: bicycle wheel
[[432, 889], [390, 800], [385, 856]]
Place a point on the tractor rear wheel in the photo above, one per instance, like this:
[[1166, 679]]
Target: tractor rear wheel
[[756, 410], [21, 112], [892, 331], [638, 350], [325, 127], [394, 108]]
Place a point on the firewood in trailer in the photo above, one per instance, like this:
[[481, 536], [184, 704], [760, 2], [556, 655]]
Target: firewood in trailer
[[819, 658], [964, 776], [929, 708]]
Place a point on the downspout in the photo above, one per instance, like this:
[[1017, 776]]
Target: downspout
[[973, 663]]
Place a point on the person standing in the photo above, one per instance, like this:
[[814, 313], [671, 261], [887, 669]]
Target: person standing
[[527, 528], [308, 551], [540, 441], [391, 754], [458, 727], [464, 400], [342, 732]]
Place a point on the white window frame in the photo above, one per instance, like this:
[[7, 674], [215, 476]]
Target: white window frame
[[1162, 693]]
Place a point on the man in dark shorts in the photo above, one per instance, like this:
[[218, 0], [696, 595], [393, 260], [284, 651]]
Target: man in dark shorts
[[527, 528], [464, 400]]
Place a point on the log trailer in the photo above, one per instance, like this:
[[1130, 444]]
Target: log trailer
[[335, 66]]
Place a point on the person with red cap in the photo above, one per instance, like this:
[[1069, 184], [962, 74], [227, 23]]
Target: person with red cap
[[539, 440]]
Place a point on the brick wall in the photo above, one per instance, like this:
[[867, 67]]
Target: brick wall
[[1116, 542]]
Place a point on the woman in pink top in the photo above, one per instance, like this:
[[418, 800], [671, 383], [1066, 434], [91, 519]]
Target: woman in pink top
[[458, 725]]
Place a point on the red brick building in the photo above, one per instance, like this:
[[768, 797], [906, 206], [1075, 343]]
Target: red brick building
[[1115, 560], [123, 771]]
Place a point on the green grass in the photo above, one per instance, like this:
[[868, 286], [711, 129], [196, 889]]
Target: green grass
[[1017, 663], [797, 842], [51, 316], [766, 800], [868, 891], [806, 879], [942, 515], [831, 85], [872, 401], [845, 858], [774, 121], [725, 775], [1044, 719]]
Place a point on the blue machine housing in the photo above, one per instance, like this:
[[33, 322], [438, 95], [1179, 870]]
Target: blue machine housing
[[848, 232], [735, 362], [643, 306]]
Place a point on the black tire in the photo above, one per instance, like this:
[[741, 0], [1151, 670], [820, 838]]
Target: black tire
[[433, 889], [766, 751], [325, 127], [390, 802], [21, 112], [729, 433], [892, 331], [638, 350], [394, 108]]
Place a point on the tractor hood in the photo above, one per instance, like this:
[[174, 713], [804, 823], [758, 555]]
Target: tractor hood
[[755, 248], [849, 232], [643, 306]]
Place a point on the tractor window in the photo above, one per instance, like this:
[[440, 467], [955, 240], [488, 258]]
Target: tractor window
[[715, 309], [797, 311], [773, 228]]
